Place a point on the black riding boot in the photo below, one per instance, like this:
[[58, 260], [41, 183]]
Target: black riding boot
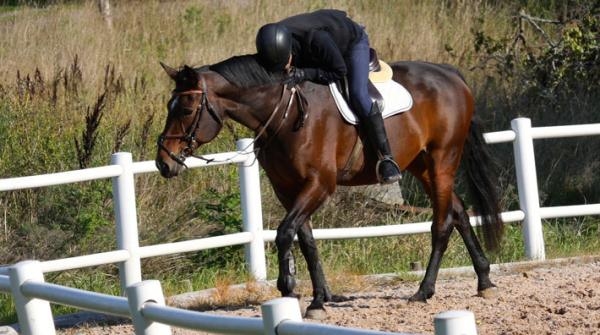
[[387, 170]]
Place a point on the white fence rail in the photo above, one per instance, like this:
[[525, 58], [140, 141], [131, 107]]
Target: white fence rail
[[129, 253], [527, 184], [145, 305]]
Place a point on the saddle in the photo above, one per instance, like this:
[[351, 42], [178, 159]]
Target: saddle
[[391, 97], [379, 72]]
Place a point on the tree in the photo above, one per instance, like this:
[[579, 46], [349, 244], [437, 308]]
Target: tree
[[104, 7]]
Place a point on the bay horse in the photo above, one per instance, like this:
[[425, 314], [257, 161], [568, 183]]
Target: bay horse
[[304, 147]]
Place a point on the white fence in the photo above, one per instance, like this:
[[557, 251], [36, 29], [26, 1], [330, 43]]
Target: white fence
[[32, 291], [145, 305]]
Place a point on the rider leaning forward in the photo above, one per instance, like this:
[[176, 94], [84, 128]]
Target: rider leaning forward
[[327, 46]]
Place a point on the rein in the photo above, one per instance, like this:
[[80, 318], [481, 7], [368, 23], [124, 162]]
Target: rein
[[272, 117], [190, 138], [263, 129]]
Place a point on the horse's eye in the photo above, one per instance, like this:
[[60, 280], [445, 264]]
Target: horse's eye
[[187, 111], [179, 111]]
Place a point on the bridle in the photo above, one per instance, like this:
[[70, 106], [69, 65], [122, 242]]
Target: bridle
[[189, 136]]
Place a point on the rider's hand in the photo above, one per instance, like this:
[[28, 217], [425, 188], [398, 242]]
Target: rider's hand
[[295, 77]]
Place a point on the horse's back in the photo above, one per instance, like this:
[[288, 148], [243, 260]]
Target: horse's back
[[438, 113], [438, 89], [441, 112], [417, 76]]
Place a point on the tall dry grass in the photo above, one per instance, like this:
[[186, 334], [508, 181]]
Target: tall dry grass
[[201, 32], [77, 55]]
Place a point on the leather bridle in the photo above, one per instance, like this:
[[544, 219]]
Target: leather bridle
[[189, 136]]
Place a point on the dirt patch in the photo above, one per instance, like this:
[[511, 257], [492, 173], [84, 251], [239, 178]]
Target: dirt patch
[[556, 297]]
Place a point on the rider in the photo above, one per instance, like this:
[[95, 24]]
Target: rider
[[326, 46]]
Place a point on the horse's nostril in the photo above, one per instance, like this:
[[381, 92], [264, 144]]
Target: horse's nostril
[[162, 168]]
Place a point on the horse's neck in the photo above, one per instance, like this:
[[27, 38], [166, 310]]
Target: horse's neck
[[255, 106]]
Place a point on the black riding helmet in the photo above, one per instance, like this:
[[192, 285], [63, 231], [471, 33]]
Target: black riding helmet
[[274, 45]]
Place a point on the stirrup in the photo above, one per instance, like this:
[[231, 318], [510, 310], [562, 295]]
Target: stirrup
[[397, 176]]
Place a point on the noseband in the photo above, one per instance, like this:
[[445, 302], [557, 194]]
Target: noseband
[[189, 136]]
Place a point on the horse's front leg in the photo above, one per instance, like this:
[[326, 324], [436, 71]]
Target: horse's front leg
[[287, 268], [321, 293]]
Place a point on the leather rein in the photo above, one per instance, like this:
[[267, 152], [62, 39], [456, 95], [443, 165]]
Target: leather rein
[[189, 136]]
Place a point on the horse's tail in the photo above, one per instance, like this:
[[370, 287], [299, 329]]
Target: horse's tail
[[482, 182]]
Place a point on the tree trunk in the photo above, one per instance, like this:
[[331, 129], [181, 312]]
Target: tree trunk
[[104, 7]]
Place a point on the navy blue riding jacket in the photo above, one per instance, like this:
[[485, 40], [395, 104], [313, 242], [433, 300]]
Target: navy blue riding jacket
[[320, 42]]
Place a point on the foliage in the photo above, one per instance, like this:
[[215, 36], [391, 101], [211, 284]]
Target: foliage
[[224, 212], [549, 71]]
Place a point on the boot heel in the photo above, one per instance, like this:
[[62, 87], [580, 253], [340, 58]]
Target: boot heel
[[388, 171]]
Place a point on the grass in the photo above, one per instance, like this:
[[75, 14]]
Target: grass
[[203, 33], [61, 64]]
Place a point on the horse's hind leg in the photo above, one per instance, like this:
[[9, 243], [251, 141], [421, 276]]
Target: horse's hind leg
[[481, 265], [440, 235], [438, 182]]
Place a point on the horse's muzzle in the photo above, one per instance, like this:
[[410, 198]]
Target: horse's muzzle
[[167, 170]]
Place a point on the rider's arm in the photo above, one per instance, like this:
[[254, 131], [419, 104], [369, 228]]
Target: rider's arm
[[332, 65]]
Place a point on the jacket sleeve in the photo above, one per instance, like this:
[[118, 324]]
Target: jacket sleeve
[[325, 51]]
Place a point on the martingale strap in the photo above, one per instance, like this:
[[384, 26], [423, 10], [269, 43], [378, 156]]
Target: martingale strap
[[277, 108], [302, 110]]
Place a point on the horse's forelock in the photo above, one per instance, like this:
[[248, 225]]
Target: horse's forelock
[[187, 76]]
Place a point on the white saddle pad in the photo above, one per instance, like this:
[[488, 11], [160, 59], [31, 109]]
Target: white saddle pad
[[396, 99]]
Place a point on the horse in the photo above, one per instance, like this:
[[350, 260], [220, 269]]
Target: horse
[[305, 148]]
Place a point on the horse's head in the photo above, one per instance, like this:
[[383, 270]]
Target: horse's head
[[191, 120]]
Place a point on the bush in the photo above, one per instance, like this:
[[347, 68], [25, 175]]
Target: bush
[[551, 75]]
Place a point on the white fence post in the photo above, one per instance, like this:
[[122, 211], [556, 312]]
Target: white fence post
[[455, 323], [130, 271], [139, 294], [278, 310], [35, 315], [252, 211], [528, 189]]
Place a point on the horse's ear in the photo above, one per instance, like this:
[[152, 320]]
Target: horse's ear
[[188, 70], [169, 70]]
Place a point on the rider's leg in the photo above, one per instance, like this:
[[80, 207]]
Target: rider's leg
[[368, 112], [387, 169]]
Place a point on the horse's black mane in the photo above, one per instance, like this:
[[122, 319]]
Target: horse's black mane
[[245, 71]]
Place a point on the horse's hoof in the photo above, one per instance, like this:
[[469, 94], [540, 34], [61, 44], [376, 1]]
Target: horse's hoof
[[488, 293], [316, 314], [413, 300], [418, 298], [294, 295]]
